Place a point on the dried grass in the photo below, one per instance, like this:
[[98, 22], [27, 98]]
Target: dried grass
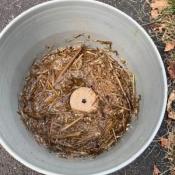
[[44, 101]]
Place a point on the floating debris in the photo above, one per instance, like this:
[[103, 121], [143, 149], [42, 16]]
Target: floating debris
[[63, 127]]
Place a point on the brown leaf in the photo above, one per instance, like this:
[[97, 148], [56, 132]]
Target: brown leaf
[[154, 14], [165, 143], [156, 171], [171, 117], [161, 27], [170, 109], [171, 138], [169, 46], [171, 69], [157, 6]]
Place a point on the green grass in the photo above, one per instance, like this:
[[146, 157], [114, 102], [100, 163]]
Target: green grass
[[172, 8]]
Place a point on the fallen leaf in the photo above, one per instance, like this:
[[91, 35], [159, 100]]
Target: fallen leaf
[[171, 138], [171, 69], [169, 46], [156, 171], [171, 116], [159, 4], [154, 14], [165, 143], [170, 105], [161, 27]]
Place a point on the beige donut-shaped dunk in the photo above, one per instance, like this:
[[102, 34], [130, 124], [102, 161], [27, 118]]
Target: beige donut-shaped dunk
[[83, 99]]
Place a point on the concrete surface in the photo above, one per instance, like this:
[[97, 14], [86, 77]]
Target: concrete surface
[[138, 9]]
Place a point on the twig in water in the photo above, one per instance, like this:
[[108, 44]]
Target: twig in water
[[105, 42], [68, 65], [71, 124], [114, 134], [120, 84], [79, 35]]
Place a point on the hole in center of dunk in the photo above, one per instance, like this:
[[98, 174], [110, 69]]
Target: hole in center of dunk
[[83, 100]]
